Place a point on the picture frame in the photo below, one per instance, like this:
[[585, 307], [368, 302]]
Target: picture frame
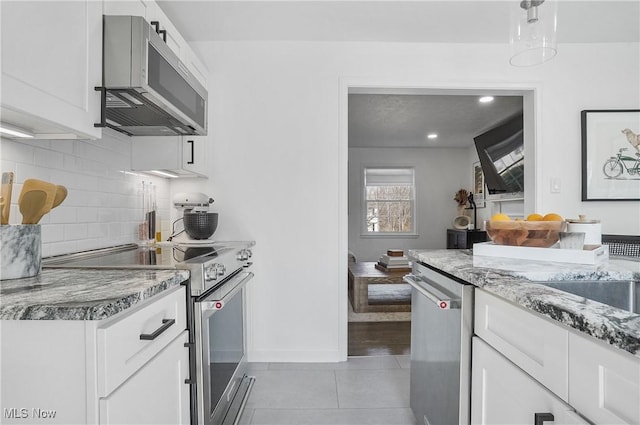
[[479, 188], [610, 155]]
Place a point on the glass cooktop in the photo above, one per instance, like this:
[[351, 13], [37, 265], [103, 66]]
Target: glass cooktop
[[134, 256]]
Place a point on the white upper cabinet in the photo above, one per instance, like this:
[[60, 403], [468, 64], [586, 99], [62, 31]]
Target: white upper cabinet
[[181, 156], [130, 7], [176, 42], [51, 63]]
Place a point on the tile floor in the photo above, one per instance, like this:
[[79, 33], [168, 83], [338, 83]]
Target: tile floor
[[363, 390]]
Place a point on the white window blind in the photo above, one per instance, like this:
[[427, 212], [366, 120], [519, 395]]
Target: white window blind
[[389, 197]]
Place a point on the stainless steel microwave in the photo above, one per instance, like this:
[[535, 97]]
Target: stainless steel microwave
[[148, 90]]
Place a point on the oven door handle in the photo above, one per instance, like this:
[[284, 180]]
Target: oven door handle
[[439, 298], [214, 305]]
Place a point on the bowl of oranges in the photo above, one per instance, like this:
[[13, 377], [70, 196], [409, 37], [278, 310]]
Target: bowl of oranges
[[537, 230]]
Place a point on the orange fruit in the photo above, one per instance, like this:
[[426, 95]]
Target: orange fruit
[[552, 217], [535, 217], [500, 217]]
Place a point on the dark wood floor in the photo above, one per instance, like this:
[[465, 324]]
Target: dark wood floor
[[379, 338]]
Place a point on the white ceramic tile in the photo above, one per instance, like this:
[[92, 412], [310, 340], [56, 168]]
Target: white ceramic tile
[[87, 215], [63, 214], [52, 233], [375, 362], [398, 416], [16, 151], [75, 231], [63, 146], [100, 195], [293, 389], [97, 230], [48, 158], [29, 171], [373, 388], [255, 366], [404, 361]]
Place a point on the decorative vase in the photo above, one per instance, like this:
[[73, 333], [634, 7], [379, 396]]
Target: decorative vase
[[20, 251]]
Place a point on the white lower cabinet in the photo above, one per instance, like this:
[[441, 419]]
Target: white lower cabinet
[[161, 381], [128, 369], [532, 342], [603, 384], [523, 363], [504, 394]]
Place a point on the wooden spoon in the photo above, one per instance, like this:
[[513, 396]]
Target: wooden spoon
[[32, 203], [61, 195], [48, 188]]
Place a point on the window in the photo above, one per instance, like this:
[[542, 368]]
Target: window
[[389, 197]]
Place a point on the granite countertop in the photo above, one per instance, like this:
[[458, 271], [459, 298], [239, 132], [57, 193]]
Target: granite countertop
[[73, 294], [511, 280]]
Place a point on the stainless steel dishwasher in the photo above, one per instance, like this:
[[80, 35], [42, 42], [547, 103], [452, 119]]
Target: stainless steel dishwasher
[[441, 331]]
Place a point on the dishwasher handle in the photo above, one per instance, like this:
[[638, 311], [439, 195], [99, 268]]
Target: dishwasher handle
[[440, 299]]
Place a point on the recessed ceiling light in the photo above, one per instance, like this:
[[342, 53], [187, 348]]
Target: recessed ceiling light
[[432, 136], [486, 99]]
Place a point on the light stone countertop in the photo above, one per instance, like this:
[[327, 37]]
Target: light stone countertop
[[82, 294], [511, 279]]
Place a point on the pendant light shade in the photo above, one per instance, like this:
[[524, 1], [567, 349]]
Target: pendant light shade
[[533, 32]]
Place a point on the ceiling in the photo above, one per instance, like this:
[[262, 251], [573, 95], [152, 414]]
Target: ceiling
[[404, 120], [444, 21], [394, 118]]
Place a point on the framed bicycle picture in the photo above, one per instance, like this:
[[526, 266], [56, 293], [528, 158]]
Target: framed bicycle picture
[[610, 155]]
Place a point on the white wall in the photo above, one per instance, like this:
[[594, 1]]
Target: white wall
[[103, 206], [279, 164], [439, 173], [279, 158]]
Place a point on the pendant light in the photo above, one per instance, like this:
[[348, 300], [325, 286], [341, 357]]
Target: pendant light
[[533, 32]]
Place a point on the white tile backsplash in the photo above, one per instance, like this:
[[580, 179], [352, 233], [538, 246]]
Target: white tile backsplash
[[104, 204]]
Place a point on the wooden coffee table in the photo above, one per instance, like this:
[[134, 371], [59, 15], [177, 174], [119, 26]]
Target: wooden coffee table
[[363, 274]]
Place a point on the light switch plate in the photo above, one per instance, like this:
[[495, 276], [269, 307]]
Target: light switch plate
[[555, 185]]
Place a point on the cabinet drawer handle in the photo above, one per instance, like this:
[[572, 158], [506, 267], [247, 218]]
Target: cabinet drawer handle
[[541, 418], [166, 324], [163, 34], [190, 142]]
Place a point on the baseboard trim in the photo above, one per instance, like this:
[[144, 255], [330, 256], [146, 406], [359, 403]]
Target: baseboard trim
[[281, 356]]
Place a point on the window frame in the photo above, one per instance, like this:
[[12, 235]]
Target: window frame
[[364, 231]]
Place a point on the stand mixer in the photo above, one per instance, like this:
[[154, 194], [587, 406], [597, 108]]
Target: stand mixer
[[199, 223]]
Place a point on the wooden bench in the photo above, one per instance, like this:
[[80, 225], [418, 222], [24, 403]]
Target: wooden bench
[[363, 274]]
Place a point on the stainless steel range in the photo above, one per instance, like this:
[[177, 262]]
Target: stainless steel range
[[216, 308]]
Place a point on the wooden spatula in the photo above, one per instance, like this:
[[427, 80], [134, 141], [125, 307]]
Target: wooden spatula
[[48, 188], [61, 195], [5, 193], [32, 203]]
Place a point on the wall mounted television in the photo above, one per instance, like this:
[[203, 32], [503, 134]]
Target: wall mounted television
[[501, 154]]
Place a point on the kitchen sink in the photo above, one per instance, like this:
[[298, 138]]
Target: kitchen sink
[[622, 294]]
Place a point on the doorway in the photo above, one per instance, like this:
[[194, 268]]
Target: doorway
[[392, 334]]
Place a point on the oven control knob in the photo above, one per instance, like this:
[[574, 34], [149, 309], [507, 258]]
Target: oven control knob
[[221, 269], [244, 254], [211, 272]]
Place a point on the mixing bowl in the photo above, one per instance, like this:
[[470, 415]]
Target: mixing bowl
[[200, 225], [540, 234]]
